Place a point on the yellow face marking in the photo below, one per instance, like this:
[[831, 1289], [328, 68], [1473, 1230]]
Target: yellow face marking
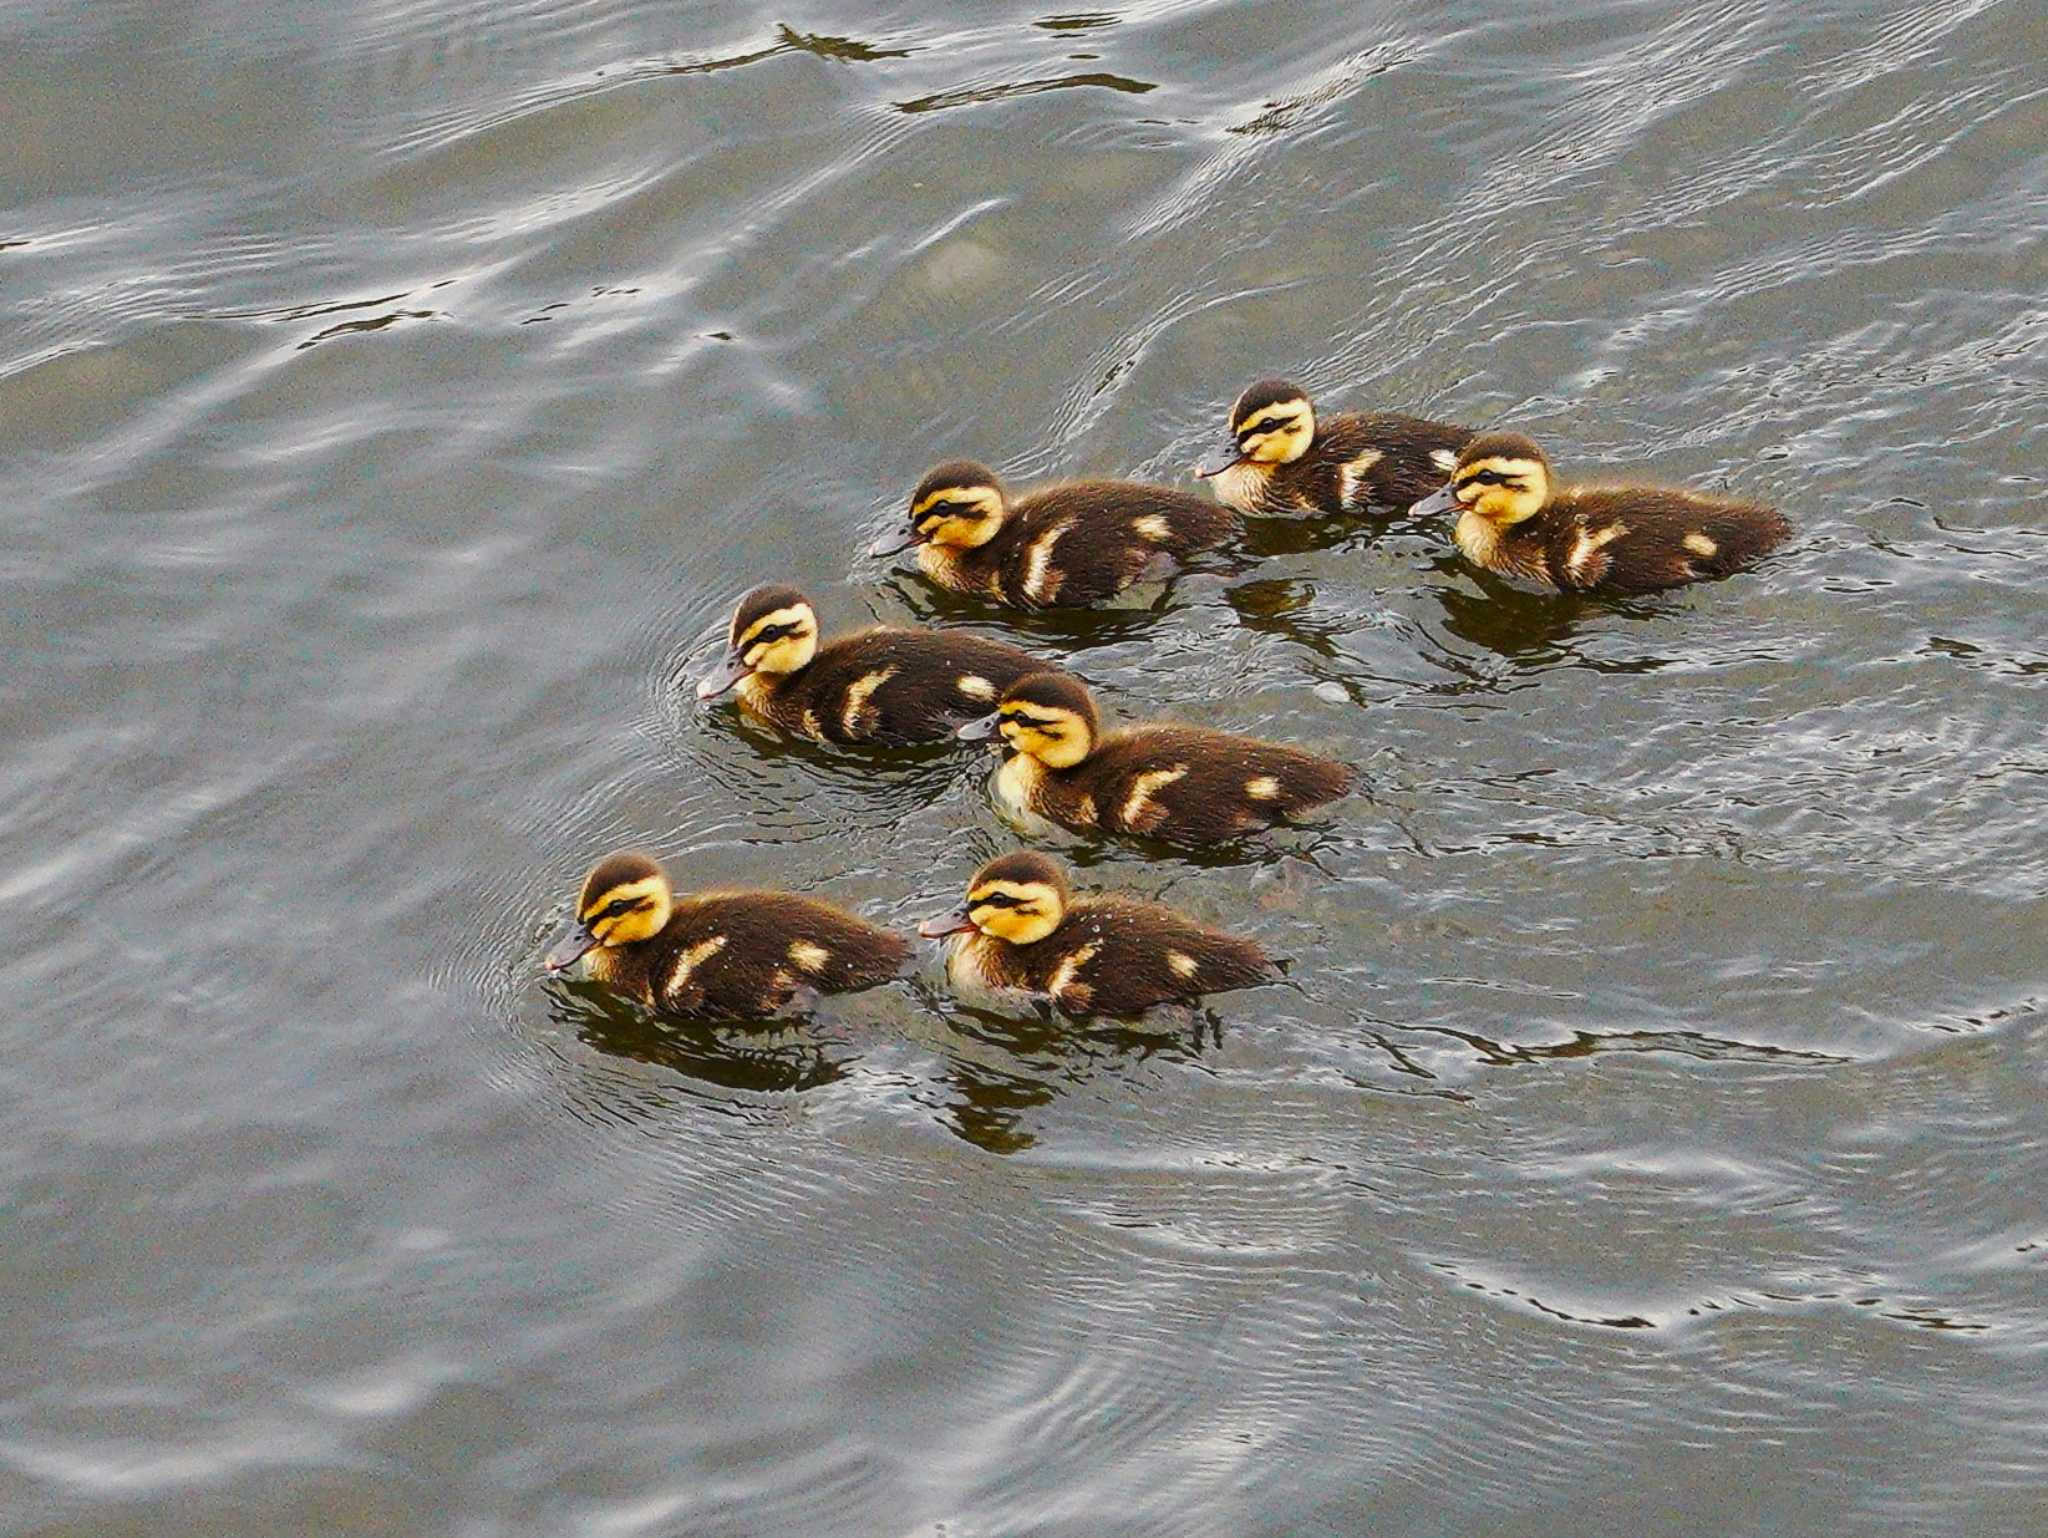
[[857, 714], [645, 909], [1041, 582], [1276, 435], [781, 641], [1153, 526], [1062, 984], [975, 688], [1501, 489], [689, 961], [960, 517], [1264, 788], [1138, 805], [810, 957], [1056, 738], [1182, 963], [1702, 546], [1021, 912]]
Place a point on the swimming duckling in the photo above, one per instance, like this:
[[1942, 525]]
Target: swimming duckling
[[1021, 934], [1062, 546], [735, 955], [1184, 784], [882, 685], [1286, 460], [1515, 520]]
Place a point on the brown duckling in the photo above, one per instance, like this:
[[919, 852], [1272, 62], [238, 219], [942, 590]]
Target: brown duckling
[[1182, 784], [885, 686], [1062, 546], [1514, 519], [1285, 460], [735, 955], [1022, 935]]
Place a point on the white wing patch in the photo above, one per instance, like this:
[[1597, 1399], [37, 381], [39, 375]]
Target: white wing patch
[[1182, 963], [1153, 526], [1040, 581], [1062, 985], [1588, 546], [810, 957], [1702, 546], [1140, 801], [1353, 471], [1264, 788], [858, 695], [1444, 460], [689, 961], [975, 687]]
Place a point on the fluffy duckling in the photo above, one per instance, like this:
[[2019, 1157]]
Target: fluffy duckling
[[1062, 546], [885, 686], [1183, 784], [735, 955], [1021, 934], [1514, 519], [1285, 460]]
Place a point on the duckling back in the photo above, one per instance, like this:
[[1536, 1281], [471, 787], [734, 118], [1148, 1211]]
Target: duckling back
[[1115, 955], [890, 686], [1083, 542], [1188, 784], [742, 954], [1629, 539]]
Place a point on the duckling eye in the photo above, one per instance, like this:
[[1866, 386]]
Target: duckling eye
[[616, 907], [999, 900]]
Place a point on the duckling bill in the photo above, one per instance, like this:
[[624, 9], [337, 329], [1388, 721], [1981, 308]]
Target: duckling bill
[[1285, 459], [1182, 784], [1062, 546], [884, 686], [1023, 935], [730, 955], [1515, 520]]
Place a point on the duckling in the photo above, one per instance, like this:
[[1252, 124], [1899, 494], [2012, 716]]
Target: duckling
[[1021, 934], [734, 955], [885, 686], [1285, 460], [1183, 784], [1062, 546], [1514, 519]]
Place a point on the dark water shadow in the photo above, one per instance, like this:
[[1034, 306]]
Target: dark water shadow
[[783, 1055]]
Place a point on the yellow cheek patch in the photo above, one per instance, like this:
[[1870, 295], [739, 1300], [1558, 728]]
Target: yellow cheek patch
[[801, 619]]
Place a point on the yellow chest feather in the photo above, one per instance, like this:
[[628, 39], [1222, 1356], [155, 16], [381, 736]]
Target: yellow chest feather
[[1016, 788]]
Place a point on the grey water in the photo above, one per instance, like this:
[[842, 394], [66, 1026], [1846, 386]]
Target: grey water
[[1649, 1136]]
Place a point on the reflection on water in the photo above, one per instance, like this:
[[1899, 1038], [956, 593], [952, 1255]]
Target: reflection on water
[[393, 409]]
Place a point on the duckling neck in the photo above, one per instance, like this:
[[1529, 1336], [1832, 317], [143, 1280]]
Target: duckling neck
[[757, 691], [1019, 783]]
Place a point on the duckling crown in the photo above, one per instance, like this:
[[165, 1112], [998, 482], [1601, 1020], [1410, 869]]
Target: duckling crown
[[1019, 897], [1503, 477], [774, 630], [959, 503], [1050, 716], [1273, 422], [626, 897]]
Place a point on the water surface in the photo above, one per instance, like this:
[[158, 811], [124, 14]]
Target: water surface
[[1648, 1139]]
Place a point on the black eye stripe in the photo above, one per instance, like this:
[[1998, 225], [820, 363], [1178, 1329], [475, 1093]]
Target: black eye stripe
[[1039, 723], [1000, 900]]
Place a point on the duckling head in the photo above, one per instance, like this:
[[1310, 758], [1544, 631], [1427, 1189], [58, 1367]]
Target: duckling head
[[774, 630], [625, 898], [959, 505], [1502, 478], [1019, 897], [1271, 423], [1048, 716]]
